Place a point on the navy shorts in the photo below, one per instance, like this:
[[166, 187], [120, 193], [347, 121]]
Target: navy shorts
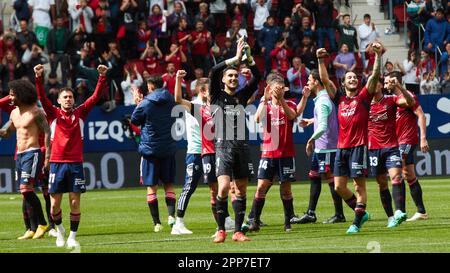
[[28, 167], [157, 170], [381, 160], [234, 162], [66, 177], [283, 167], [351, 162], [209, 168], [322, 163], [194, 168], [407, 152]]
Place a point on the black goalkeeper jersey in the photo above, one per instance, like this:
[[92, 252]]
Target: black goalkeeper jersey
[[229, 110]]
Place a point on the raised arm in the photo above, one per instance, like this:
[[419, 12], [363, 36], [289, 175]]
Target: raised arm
[[178, 91], [41, 121], [49, 108], [423, 129], [5, 104], [290, 113], [407, 100], [95, 98], [261, 111], [302, 104], [373, 79], [321, 53]]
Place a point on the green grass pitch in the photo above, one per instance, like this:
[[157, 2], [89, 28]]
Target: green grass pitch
[[118, 221]]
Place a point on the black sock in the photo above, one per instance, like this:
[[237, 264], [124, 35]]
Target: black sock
[[337, 200], [258, 205], [251, 215], [47, 207], [170, 202], [386, 201], [314, 193], [288, 207], [239, 206], [154, 211], [416, 194], [398, 193], [57, 218], [351, 202], [36, 207], [360, 211], [214, 212], [26, 218], [221, 205], [74, 221]]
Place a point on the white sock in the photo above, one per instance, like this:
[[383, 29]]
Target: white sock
[[60, 228], [72, 235], [179, 220]]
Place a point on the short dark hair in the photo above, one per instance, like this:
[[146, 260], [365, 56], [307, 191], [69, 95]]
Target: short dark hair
[[366, 16], [316, 76], [388, 62], [441, 10], [396, 74], [65, 89], [274, 76], [24, 91], [230, 67], [156, 80], [346, 15]]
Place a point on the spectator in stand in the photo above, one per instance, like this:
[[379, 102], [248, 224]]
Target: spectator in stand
[[206, 17], [102, 25], [227, 51], [367, 33], [284, 9], [409, 70], [57, 48], [178, 12], [143, 36], [417, 15], [82, 15], [151, 57], [308, 53], [218, 9], [22, 10], [297, 76], [8, 42], [267, 39], [280, 57], [41, 18], [429, 84], [347, 33], [24, 39], [437, 32], [157, 24], [128, 28], [201, 42], [181, 36], [169, 79], [239, 11], [433, 5], [132, 78], [116, 64], [344, 61], [176, 56], [445, 83], [52, 88], [62, 9], [306, 30], [198, 72], [323, 13], [236, 32], [261, 9], [30, 59], [445, 60], [289, 32], [426, 63], [10, 69], [299, 12]]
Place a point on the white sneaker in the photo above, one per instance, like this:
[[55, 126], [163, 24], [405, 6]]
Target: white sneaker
[[60, 236], [52, 233], [171, 221], [180, 229], [72, 243], [229, 224], [418, 216], [158, 228]]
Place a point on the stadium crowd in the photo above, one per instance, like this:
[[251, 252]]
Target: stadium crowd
[[137, 38]]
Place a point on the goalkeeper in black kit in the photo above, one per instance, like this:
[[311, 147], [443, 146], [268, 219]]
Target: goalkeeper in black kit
[[231, 136]]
